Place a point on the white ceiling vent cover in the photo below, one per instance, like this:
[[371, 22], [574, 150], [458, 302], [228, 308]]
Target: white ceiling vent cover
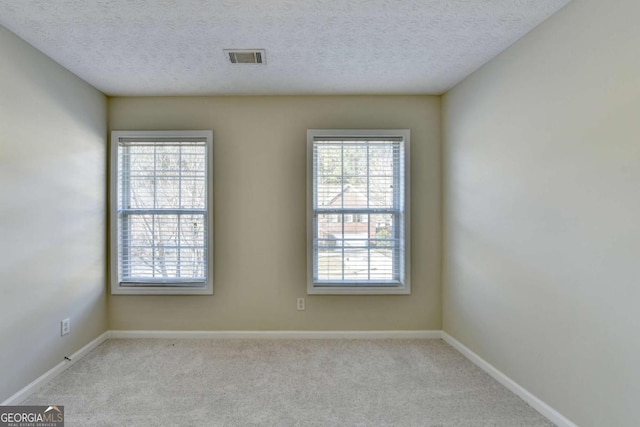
[[245, 56]]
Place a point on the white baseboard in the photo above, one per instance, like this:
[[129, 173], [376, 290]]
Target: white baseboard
[[279, 334], [540, 406], [43, 379]]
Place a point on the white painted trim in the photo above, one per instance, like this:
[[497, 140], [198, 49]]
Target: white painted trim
[[118, 288], [346, 287], [540, 406], [43, 379], [279, 334]]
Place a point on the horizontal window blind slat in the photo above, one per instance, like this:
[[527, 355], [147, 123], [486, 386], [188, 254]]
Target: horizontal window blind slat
[[154, 141], [162, 211], [372, 211], [356, 139]]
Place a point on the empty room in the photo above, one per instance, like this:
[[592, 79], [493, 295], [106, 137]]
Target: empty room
[[320, 213]]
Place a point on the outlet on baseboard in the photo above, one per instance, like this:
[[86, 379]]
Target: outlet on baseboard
[[300, 305], [65, 326]]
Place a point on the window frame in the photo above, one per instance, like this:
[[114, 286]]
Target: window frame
[[160, 288], [403, 287]]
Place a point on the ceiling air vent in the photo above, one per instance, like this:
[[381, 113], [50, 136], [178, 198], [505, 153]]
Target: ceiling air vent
[[245, 56]]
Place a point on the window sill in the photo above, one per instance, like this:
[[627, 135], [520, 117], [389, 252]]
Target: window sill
[[323, 289], [117, 289]]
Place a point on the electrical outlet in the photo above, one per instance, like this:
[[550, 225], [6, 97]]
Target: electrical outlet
[[65, 326], [300, 304]]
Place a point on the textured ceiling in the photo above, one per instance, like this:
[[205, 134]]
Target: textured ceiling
[[174, 47]]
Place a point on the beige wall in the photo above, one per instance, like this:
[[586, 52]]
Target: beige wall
[[542, 209], [259, 213], [52, 213]]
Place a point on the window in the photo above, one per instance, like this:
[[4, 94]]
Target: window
[[161, 225], [358, 211]]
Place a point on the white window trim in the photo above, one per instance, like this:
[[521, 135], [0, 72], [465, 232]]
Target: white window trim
[[379, 289], [160, 289]]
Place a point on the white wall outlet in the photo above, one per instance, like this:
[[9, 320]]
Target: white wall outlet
[[65, 326], [300, 304]]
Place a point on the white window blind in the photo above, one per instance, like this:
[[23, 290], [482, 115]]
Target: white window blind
[[358, 217], [162, 212]]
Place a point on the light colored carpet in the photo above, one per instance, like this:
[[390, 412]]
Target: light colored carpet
[[161, 382]]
